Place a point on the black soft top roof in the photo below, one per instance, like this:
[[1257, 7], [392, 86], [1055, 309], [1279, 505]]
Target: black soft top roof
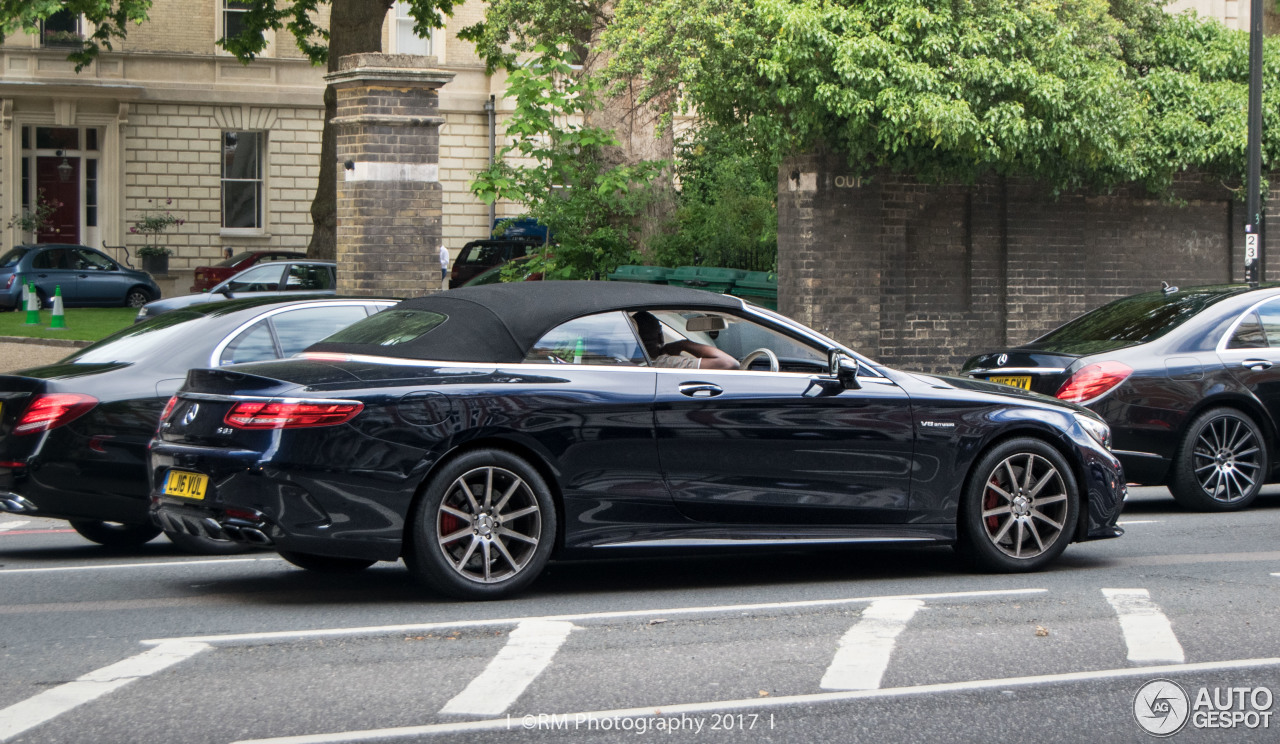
[[501, 322]]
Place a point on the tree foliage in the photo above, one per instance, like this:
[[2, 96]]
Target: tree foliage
[[554, 167], [1073, 92]]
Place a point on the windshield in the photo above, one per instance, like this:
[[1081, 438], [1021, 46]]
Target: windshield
[[228, 263], [133, 343], [1132, 320], [12, 257]]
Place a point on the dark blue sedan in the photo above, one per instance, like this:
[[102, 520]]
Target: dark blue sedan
[[87, 277]]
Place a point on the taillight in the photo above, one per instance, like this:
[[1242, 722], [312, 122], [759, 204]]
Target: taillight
[[51, 411], [1092, 381], [290, 415], [9, 283], [168, 408]]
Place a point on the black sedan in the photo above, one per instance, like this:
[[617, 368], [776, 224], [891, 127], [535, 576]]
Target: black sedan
[[1189, 381], [479, 431], [73, 435]]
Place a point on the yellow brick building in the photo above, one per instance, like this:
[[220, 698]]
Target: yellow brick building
[[168, 122]]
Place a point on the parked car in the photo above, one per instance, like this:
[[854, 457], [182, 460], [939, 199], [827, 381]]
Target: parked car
[[86, 276], [208, 276], [317, 278], [479, 256], [494, 275], [73, 435], [1189, 381], [477, 432]]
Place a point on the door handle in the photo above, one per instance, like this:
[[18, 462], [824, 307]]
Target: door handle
[[1257, 365], [700, 389]]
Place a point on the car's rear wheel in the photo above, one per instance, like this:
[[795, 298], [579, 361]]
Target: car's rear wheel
[[200, 545], [483, 528], [326, 563], [115, 534], [1020, 507], [1221, 464], [137, 297]]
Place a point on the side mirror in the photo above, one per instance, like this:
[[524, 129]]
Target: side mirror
[[844, 368]]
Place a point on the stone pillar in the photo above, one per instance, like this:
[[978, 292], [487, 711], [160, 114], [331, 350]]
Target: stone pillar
[[389, 195]]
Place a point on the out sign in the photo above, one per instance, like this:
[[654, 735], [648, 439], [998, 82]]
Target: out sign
[[1251, 247]]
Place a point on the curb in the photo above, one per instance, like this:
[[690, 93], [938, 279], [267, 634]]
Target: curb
[[67, 342]]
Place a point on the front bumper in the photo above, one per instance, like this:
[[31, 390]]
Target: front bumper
[[1105, 491]]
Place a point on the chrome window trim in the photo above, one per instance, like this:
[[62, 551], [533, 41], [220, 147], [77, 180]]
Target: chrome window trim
[[1221, 347], [227, 339]]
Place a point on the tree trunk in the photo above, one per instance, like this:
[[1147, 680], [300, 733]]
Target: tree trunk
[[355, 27]]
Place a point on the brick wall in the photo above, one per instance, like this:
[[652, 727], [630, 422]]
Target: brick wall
[[922, 276], [172, 151]]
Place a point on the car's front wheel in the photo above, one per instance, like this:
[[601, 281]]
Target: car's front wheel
[[137, 297], [115, 534], [1019, 507], [1222, 462], [483, 528]]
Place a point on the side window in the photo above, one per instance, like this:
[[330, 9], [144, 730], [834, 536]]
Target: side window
[[739, 337], [307, 277], [298, 329], [56, 258], [1249, 334], [605, 339], [261, 279], [93, 260], [1269, 314], [254, 344]]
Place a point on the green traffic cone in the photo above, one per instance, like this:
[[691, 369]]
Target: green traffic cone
[[59, 320], [33, 305]]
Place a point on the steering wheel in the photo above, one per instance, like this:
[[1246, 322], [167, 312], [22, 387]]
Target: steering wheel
[[759, 353]]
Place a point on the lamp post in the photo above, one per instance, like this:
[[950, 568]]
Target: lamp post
[[1253, 250]]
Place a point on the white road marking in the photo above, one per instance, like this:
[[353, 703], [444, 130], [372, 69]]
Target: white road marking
[[510, 723], [428, 627], [133, 565], [1146, 630], [1138, 521], [52, 703], [529, 650], [7, 525], [864, 651]]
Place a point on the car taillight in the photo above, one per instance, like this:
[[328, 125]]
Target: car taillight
[[51, 411], [168, 408], [290, 414], [1092, 381], [9, 283]]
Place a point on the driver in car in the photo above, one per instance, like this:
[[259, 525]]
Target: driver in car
[[704, 356]]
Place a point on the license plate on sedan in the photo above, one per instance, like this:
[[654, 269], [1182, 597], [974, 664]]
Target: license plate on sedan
[[1018, 381], [184, 484]]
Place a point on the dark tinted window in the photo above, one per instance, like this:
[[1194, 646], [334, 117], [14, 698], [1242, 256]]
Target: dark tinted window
[[162, 333], [389, 328], [55, 258], [596, 339], [1249, 334], [308, 277], [298, 329], [1136, 319], [12, 257], [1270, 318], [254, 344]]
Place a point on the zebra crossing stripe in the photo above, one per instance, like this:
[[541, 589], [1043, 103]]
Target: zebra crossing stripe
[[1146, 630], [529, 650], [8, 525], [864, 651]]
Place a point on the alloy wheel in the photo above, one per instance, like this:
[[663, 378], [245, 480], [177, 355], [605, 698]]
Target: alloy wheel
[[1024, 505], [1227, 459], [488, 525]]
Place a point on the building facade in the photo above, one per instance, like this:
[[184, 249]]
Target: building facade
[[168, 123]]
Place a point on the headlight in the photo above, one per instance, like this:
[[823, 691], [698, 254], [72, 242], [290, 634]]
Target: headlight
[[1097, 429]]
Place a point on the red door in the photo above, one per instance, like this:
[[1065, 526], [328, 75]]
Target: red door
[[64, 225]]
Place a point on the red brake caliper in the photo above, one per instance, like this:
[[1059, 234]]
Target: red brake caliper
[[989, 502]]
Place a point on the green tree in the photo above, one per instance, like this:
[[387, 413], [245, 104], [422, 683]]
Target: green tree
[[1072, 92], [555, 166], [355, 26]]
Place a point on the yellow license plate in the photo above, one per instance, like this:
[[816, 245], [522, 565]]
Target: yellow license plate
[[186, 485], [1018, 381]]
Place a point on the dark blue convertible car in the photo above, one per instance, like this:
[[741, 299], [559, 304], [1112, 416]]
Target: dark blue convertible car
[[478, 432]]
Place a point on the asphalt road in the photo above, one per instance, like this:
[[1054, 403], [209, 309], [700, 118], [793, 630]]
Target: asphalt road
[[152, 645]]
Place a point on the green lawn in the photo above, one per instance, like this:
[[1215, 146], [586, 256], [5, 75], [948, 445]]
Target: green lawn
[[83, 323]]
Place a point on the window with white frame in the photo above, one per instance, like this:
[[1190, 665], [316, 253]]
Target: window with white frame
[[406, 40], [233, 14], [242, 169]]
